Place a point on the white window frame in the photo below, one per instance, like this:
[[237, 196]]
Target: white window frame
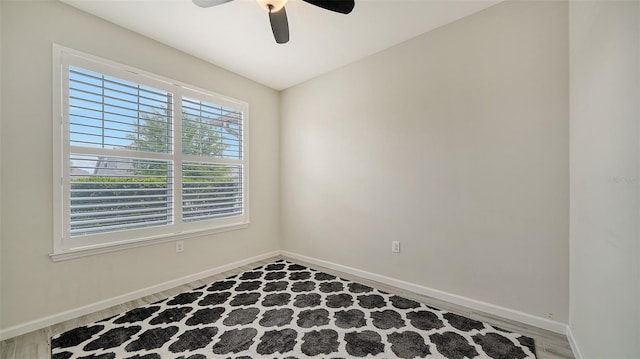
[[67, 247]]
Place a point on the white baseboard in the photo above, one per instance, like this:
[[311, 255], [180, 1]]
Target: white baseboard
[[573, 344], [507, 313], [104, 304], [503, 312]]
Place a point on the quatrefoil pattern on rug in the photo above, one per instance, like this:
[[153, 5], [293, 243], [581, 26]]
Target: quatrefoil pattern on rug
[[285, 310]]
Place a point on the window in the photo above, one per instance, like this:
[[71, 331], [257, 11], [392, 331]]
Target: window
[[142, 159]]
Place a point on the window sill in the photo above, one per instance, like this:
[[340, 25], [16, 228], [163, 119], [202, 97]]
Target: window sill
[[113, 247]]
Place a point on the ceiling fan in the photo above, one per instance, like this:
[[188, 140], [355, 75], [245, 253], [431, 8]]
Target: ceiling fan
[[278, 15]]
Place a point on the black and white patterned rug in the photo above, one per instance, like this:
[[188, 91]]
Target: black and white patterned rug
[[285, 310]]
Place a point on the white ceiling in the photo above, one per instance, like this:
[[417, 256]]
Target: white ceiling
[[237, 35]]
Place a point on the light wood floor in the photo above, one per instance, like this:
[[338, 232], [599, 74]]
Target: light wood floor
[[36, 345]]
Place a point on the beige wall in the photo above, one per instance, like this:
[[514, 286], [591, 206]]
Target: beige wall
[[32, 285], [605, 178], [454, 143]]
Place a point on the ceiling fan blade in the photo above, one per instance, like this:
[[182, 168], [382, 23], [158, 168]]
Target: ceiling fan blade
[[279, 25], [210, 3], [341, 6]]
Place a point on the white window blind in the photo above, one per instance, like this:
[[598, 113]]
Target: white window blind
[[126, 176], [107, 112], [118, 193], [109, 193], [218, 130], [210, 189]]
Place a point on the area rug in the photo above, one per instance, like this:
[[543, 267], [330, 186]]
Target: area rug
[[286, 310]]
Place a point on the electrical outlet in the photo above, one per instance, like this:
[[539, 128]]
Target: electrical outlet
[[179, 247], [395, 246]]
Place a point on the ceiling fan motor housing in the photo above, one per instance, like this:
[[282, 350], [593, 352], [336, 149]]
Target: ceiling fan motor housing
[[272, 5]]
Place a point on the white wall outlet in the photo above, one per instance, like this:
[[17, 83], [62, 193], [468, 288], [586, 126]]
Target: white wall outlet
[[395, 246], [179, 247]]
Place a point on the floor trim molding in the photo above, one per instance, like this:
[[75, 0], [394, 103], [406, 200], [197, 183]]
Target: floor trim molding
[[504, 312], [540, 322], [104, 304], [573, 343]]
